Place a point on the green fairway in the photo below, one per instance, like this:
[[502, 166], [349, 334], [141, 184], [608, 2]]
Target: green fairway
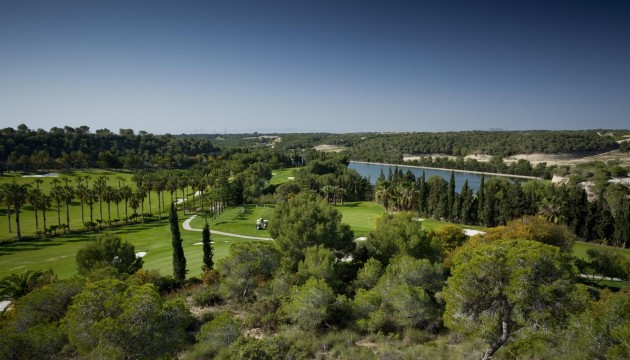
[[114, 179], [580, 248], [361, 216], [234, 220], [281, 175], [153, 238]]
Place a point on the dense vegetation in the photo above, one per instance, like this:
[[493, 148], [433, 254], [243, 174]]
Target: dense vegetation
[[315, 291], [73, 148], [604, 219]]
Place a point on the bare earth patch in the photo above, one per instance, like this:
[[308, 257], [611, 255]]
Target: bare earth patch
[[479, 157], [571, 159], [409, 157], [330, 148]]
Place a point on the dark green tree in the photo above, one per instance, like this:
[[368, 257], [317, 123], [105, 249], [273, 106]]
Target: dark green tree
[[500, 290], [302, 222], [398, 234], [208, 263], [179, 260], [481, 198], [108, 250], [450, 200]]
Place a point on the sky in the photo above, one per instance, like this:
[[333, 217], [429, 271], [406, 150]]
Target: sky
[[315, 66]]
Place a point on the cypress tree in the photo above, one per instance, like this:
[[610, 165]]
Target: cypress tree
[[450, 201], [466, 201], [207, 249], [481, 198], [179, 260]]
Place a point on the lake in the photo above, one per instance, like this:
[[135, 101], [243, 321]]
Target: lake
[[374, 170]]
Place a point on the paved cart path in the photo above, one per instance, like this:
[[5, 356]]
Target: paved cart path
[[186, 226]]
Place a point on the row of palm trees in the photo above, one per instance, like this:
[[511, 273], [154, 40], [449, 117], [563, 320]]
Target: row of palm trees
[[91, 192]]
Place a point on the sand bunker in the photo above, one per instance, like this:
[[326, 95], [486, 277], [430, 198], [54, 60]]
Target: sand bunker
[[42, 175], [471, 232], [141, 254]]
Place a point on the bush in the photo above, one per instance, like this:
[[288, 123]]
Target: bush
[[165, 284], [216, 336], [108, 250], [207, 296]]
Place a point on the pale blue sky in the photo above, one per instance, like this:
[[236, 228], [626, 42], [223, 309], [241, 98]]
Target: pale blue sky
[[332, 66]]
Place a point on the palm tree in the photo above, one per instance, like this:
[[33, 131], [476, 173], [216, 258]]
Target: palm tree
[[109, 195], [100, 186], [34, 197], [44, 204], [406, 196], [126, 193], [327, 191], [56, 192], [382, 193], [134, 203], [15, 195], [182, 181], [82, 194], [141, 193], [148, 186], [119, 197], [37, 182], [15, 286], [171, 184], [551, 209], [3, 197], [68, 195], [160, 186]]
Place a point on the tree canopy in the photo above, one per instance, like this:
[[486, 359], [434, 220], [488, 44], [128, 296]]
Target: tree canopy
[[108, 250], [302, 222], [499, 289]]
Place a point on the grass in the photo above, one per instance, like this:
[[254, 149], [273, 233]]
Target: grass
[[361, 216], [234, 220], [580, 249], [281, 175], [154, 238], [27, 214]]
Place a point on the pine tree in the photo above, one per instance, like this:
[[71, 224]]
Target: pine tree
[[207, 249], [179, 260]]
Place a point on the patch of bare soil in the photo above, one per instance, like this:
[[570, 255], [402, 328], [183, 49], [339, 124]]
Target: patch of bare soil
[[410, 157], [330, 148], [571, 159], [479, 157]]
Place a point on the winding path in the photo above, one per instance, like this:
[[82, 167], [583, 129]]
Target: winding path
[[186, 226]]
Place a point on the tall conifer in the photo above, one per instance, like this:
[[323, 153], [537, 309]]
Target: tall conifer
[[179, 260], [207, 249], [481, 198]]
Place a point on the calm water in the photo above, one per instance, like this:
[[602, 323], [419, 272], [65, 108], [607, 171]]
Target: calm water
[[374, 170]]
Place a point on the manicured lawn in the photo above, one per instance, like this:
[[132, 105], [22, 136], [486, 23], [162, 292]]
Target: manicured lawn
[[281, 175], [361, 216], [234, 220], [580, 248], [153, 238], [431, 224], [27, 215]]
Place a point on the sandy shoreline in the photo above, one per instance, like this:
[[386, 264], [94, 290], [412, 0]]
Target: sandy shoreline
[[455, 170]]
